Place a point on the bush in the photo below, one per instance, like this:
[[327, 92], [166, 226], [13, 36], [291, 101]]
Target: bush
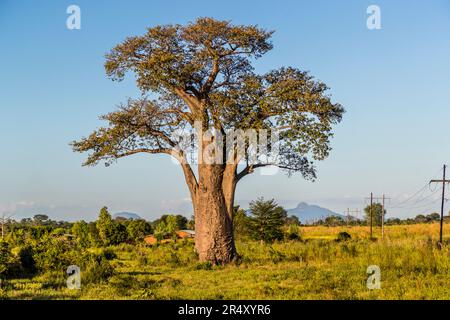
[[293, 233], [95, 268], [343, 236], [108, 254], [7, 261], [275, 256], [26, 259], [54, 255]]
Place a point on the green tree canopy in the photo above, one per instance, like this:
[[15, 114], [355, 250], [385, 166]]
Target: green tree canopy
[[40, 219], [80, 230], [376, 211], [138, 229], [110, 231], [199, 77], [267, 219], [241, 223]]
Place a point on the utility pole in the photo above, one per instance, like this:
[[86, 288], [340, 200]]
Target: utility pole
[[383, 198], [349, 212], [442, 203], [371, 219], [382, 217]]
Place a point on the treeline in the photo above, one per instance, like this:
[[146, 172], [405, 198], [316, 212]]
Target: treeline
[[41, 245], [264, 221], [332, 221], [46, 247], [374, 213], [104, 231]]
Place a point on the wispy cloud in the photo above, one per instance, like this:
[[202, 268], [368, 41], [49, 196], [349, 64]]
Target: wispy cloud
[[14, 207]]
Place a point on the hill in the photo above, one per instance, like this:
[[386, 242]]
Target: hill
[[310, 213], [127, 215]]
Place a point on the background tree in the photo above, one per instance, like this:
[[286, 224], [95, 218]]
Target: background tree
[[180, 221], [105, 226], [160, 230], [172, 226], [293, 220], [334, 221], [94, 236], [267, 220], [40, 219], [119, 234], [201, 77], [376, 210], [137, 229], [6, 258], [80, 230], [433, 217], [191, 223], [110, 231], [26, 221], [241, 223], [421, 218]]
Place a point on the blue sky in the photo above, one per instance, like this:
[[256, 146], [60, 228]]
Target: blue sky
[[393, 82]]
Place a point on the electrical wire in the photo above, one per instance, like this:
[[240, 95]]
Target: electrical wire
[[416, 194]]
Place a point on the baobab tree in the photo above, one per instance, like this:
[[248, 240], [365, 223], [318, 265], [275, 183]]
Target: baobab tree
[[200, 76]]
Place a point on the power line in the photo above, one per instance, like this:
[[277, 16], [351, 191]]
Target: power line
[[417, 193], [353, 211], [383, 199], [417, 202]]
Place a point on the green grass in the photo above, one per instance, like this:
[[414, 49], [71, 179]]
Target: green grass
[[412, 267]]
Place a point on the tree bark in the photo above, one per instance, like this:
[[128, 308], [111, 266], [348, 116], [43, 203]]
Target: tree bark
[[214, 240]]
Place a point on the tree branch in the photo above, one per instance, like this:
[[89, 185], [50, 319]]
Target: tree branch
[[250, 168]]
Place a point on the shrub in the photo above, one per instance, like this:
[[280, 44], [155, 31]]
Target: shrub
[[54, 255], [58, 232], [95, 268], [293, 232], [80, 230], [6, 258], [108, 253], [343, 236], [275, 256], [27, 261]]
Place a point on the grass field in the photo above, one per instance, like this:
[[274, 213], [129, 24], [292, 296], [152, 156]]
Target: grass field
[[318, 267]]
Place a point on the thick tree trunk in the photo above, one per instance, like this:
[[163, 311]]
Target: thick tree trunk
[[214, 241]]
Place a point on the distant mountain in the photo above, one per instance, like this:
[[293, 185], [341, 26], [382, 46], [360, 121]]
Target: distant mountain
[[127, 215], [310, 213]]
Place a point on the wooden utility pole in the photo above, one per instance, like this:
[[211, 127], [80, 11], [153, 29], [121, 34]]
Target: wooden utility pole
[[383, 205], [382, 218], [349, 212], [383, 198], [371, 218], [442, 203]]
